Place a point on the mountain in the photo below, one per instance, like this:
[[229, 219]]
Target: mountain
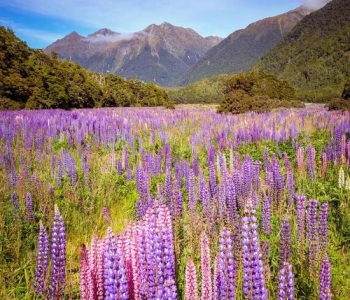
[[315, 55], [159, 53], [241, 49]]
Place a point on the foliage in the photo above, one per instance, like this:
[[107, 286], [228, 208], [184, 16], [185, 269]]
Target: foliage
[[258, 92], [315, 55], [31, 79], [346, 92], [207, 90], [339, 104]]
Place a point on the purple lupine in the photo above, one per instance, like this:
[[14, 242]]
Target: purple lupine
[[222, 200], [284, 242], [177, 201], [191, 289], [266, 214], [73, 171], [15, 204], [204, 197], [325, 279], [286, 282], [192, 201], [228, 267], [164, 254], [253, 267], [231, 201], [115, 278], [42, 261], [312, 236], [207, 293], [212, 173], [58, 257], [29, 214], [323, 227]]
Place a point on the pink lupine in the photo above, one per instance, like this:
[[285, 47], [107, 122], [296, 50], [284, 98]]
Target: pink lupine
[[191, 289], [84, 277], [205, 268]]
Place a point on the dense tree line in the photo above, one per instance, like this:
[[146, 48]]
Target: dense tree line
[[31, 79]]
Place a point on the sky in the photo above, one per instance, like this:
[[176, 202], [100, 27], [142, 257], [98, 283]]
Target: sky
[[41, 22]]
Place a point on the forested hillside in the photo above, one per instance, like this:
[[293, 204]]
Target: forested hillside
[[315, 55], [32, 79]]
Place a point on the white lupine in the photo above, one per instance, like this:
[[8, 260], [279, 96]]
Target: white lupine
[[347, 183]]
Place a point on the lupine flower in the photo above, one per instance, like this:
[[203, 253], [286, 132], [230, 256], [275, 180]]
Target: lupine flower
[[191, 289], [266, 214], [284, 242], [116, 283], [323, 227], [253, 267], [42, 261], [311, 153], [300, 159], [58, 246], [325, 279], [84, 274], [15, 204], [228, 267], [205, 268], [29, 208], [312, 236], [286, 282]]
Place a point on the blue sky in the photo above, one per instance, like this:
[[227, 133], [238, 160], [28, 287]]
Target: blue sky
[[41, 22]]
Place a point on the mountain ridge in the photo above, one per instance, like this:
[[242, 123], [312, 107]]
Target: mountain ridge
[[167, 51], [237, 52]]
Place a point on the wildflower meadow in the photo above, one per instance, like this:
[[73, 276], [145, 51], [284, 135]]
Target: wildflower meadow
[[149, 203]]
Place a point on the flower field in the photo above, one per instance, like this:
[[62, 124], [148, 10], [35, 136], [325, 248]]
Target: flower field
[[148, 203]]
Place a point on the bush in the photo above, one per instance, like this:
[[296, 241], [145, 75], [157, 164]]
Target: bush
[[346, 92], [339, 104], [235, 102]]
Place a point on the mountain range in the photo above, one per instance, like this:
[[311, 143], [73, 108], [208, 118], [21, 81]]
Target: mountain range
[[159, 53], [242, 48], [170, 55]]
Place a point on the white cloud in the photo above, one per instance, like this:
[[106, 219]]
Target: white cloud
[[124, 16], [314, 4]]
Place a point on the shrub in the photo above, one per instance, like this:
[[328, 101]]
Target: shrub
[[346, 92], [235, 102], [339, 104]]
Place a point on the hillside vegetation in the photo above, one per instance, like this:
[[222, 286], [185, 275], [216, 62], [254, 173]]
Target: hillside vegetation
[[207, 90], [32, 79], [315, 55]]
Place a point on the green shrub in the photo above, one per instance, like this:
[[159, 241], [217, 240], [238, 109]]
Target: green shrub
[[235, 102], [339, 104], [346, 92]]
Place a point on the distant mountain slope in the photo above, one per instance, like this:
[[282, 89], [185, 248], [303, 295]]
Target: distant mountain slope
[[159, 53], [242, 48], [315, 55]]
